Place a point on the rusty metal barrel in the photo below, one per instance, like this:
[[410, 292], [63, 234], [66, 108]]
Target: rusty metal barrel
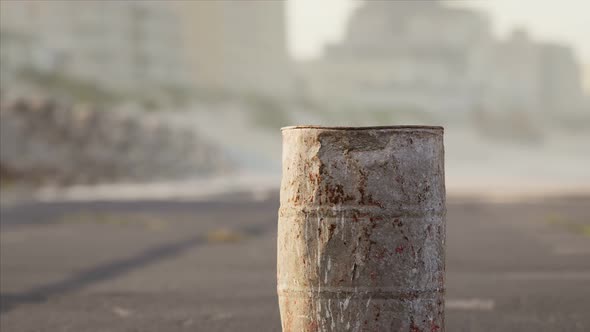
[[361, 230]]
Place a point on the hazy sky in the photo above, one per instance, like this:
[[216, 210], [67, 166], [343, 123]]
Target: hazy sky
[[313, 22]]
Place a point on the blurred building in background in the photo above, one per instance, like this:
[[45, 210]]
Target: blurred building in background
[[120, 45], [562, 86], [230, 47], [396, 55], [426, 56], [530, 76], [239, 47], [405, 55]]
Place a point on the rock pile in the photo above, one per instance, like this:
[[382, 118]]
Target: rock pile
[[45, 142]]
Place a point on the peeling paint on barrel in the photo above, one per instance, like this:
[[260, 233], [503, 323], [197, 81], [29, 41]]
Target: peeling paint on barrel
[[361, 229]]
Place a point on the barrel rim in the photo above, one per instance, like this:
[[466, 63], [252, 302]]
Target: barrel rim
[[397, 127]]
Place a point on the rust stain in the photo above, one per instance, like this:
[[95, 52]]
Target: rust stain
[[331, 229], [381, 253], [414, 327], [399, 249], [313, 326]]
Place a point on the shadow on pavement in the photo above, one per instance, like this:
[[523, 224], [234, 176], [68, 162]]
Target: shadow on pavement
[[112, 270], [99, 273]]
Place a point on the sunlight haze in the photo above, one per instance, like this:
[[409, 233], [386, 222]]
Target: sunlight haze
[[313, 23]]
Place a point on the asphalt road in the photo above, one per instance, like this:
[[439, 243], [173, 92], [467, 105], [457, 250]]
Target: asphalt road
[[210, 266]]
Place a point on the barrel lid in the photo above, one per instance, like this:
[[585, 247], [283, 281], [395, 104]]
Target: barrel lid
[[416, 127]]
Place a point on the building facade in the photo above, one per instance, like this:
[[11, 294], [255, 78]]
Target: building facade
[[238, 47], [424, 55], [533, 77], [235, 47], [405, 55], [123, 45]]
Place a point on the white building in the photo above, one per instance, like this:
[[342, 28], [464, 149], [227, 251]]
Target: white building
[[233, 46], [561, 79], [238, 46], [405, 55], [119, 44], [422, 55]]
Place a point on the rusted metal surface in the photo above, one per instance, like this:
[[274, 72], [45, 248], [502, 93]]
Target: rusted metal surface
[[361, 229]]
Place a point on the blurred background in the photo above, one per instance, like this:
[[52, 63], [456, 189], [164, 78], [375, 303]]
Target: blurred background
[[140, 151]]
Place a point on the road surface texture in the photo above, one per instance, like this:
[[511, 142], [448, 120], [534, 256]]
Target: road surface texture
[[210, 266]]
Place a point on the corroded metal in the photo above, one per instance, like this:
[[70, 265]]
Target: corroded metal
[[361, 229]]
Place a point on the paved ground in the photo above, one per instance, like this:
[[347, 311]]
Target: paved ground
[[210, 266]]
